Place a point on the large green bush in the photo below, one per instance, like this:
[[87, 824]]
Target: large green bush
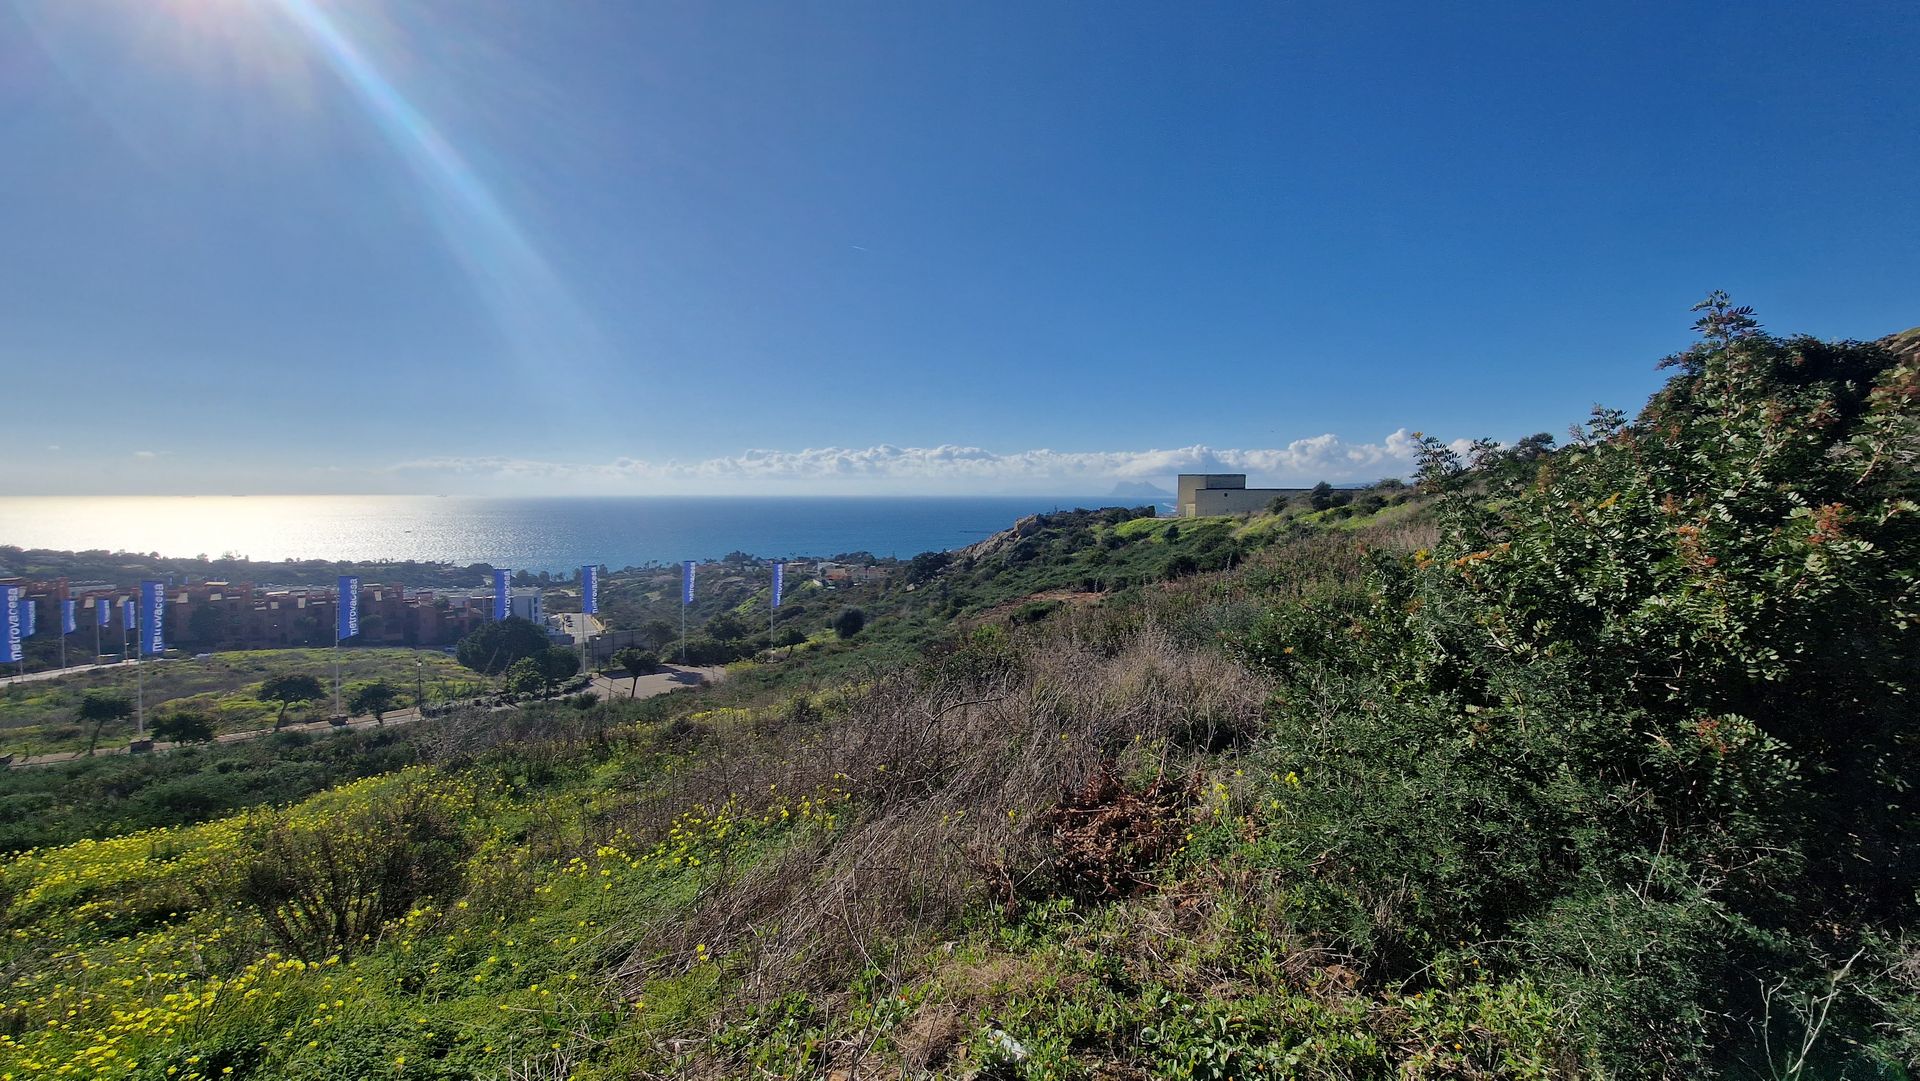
[[1639, 726]]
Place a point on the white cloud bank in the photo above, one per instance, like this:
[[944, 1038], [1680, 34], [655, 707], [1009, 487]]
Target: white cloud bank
[[936, 470]]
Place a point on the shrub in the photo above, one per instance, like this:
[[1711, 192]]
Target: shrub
[[184, 727], [327, 882], [711, 651], [1636, 722], [1034, 611], [849, 622], [526, 676]]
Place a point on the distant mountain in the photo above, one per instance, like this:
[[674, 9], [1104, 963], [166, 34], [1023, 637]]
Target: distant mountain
[[1139, 489]]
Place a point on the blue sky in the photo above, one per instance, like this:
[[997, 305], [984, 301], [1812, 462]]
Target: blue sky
[[489, 246]]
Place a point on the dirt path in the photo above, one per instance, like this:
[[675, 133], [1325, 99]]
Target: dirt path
[[671, 677]]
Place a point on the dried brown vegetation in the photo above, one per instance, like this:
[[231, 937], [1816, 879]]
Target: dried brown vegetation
[[993, 772]]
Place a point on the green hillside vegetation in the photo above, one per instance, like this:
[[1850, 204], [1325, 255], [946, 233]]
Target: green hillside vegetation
[[108, 796], [43, 716], [1584, 762]]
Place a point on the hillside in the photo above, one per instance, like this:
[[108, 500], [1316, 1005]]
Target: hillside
[[1575, 762]]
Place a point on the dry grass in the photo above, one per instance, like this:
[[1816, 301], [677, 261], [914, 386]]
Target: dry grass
[[955, 768]]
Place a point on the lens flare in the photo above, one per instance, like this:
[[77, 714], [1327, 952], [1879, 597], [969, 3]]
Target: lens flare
[[524, 293]]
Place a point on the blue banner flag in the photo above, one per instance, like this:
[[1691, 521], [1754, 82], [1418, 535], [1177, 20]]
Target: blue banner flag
[[686, 582], [28, 624], [349, 607], [126, 613], [779, 580], [10, 613], [501, 606], [590, 590], [153, 616], [66, 617], [102, 611]]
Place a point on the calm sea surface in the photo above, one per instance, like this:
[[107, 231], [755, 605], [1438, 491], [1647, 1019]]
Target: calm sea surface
[[524, 534]]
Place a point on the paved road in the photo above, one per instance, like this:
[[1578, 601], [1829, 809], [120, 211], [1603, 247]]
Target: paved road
[[671, 677]]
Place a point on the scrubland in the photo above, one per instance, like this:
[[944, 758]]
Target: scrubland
[[1594, 761]]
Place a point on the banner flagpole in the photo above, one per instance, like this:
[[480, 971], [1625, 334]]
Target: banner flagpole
[[589, 607], [346, 612], [686, 598], [27, 612], [11, 648], [779, 580], [139, 686], [149, 637]]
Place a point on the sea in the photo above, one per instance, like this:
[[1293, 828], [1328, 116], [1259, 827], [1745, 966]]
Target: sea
[[543, 534]]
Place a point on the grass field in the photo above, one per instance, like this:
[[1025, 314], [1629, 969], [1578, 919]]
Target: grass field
[[42, 717]]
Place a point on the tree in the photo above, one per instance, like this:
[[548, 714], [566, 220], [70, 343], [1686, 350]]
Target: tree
[[658, 633], [288, 690], [184, 727], [789, 637], [557, 664], [375, 698], [102, 708], [494, 648], [637, 662], [849, 622], [1321, 497], [728, 626], [524, 676]]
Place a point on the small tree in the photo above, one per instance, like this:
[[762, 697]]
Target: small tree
[[1321, 497], [557, 665], [524, 676], [637, 662], [102, 708], [375, 698], [184, 727], [493, 648], [849, 622], [289, 690]]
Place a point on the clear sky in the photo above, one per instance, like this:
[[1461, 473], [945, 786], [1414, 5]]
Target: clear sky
[[497, 246]]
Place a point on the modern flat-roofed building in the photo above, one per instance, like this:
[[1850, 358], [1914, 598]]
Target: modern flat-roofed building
[[1202, 495], [526, 603]]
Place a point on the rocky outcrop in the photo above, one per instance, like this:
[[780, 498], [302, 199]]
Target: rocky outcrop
[[1905, 345]]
